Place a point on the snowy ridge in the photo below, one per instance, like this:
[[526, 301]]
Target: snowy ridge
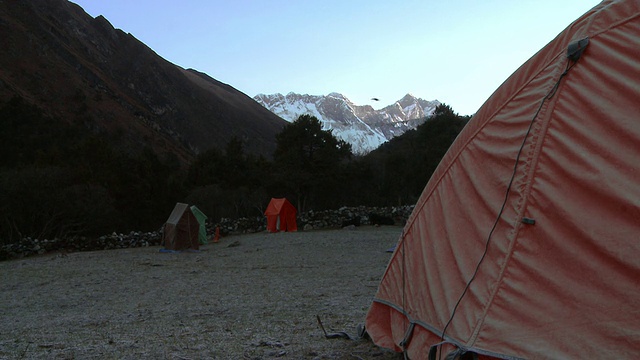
[[361, 126]]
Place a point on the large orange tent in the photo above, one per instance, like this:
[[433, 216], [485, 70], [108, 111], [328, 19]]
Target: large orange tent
[[281, 216], [525, 242]]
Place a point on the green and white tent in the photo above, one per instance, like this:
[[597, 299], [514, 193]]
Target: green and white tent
[[202, 219]]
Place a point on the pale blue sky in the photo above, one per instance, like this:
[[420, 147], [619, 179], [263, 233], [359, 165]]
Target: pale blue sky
[[456, 51]]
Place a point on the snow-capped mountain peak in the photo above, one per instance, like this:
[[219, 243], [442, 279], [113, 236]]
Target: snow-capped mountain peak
[[362, 126]]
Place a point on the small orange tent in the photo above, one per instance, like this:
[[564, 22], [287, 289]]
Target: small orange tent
[[281, 216], [182, 229], [525, 241]]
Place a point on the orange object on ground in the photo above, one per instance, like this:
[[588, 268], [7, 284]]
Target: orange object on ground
[[525, 241], [281, 216], [216, 237]]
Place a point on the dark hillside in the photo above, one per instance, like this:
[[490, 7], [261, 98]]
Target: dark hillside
[[60, 180], [82, 70], [98, 130]]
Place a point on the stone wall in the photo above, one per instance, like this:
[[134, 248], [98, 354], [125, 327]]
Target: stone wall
[[316, 220], [311, 220], [28, 246]]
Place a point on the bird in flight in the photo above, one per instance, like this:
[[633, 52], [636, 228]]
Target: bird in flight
[[375, 99]]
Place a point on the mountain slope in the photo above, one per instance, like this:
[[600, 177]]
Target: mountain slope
[[362, 126], [81, 69]]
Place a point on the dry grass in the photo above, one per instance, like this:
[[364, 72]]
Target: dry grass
[[256, 300]]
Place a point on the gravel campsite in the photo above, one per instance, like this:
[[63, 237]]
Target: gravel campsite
[[254, 296]]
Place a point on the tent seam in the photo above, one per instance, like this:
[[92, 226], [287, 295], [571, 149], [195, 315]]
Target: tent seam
[[537, 140]]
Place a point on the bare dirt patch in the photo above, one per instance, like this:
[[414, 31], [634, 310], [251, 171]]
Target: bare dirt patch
[[255, 300]]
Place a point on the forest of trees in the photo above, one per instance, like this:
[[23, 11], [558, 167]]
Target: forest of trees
[[59, 179]]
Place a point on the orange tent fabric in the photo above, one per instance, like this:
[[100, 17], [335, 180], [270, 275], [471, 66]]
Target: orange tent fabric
[[182, 229], [281, 216], [525, 241]]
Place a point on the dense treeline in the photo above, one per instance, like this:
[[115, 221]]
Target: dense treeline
[[401, 167], [59, 179]]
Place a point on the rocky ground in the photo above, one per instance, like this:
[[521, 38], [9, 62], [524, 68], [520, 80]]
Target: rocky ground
[[253, 296]]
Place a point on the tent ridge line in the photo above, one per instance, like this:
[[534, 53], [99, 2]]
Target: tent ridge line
[[464, 146], [610, 27]]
